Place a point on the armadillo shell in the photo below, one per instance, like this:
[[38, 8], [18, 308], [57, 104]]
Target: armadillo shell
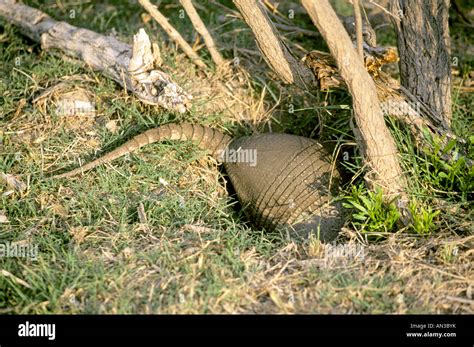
[[285, 181]]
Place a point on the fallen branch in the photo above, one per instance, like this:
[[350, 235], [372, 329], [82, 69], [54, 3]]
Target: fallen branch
[[131, 67], [202, 30], [172, 32]]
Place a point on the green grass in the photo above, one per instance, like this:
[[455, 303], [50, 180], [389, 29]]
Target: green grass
[[195, 253]]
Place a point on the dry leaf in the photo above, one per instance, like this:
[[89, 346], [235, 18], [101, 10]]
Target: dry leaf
[[163, 182], [112, 126], [78, 233], [13, 182], [3, 217], [142, 214], [15, 279], [59, 210]]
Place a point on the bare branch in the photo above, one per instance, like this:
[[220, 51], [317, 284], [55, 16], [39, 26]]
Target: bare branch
[[397, 18], [202, 30]]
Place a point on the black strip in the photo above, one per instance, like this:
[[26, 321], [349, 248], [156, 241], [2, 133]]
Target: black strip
[[352, 329]]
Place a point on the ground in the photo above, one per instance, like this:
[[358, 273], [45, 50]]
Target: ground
[[157, 232]]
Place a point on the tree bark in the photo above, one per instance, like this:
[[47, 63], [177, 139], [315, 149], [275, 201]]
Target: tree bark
[[131, 66], [424, 47], [396, 101], [274, 51], [358, 24], [374, 139]]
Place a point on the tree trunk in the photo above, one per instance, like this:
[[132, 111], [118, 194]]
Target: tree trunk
[[424, 48], [276, 54], [374, 139]]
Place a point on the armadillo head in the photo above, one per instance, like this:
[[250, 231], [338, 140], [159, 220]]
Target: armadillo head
[[285, 181]]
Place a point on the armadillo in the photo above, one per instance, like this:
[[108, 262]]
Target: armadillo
[[281, 180]]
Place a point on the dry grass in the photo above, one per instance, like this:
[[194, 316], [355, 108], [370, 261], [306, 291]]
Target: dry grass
[[156, 232]]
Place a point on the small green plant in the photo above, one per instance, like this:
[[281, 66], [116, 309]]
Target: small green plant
[[423, 218], [454, 176], [370, 212]]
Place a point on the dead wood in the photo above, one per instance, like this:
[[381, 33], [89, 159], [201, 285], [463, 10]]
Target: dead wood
[[130, 66], [172, 32]]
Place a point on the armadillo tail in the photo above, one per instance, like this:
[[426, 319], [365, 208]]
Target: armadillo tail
[[206, 138]]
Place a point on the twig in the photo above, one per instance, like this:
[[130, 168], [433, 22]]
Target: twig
[[458, 10], [202, 30], [273, 10], [385, 10], [461, 300], [298, 30], [172, 32], [462, 278]]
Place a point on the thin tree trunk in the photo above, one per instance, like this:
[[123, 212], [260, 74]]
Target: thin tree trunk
[[424, 46], [358, 24], [374, 139], [276, 54]]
